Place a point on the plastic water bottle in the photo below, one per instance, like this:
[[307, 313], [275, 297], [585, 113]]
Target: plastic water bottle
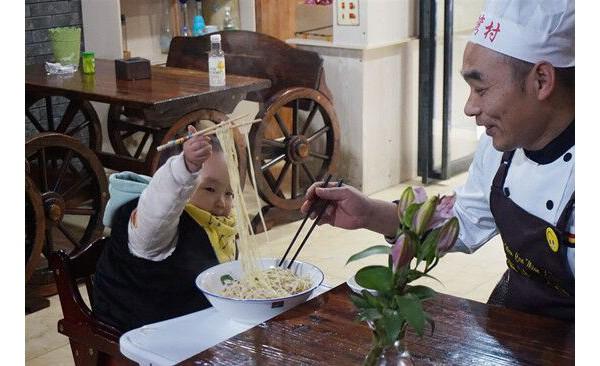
[[185, 30], [198, 27], [216, 62], [199, 24], [228, 23], [165, 31]]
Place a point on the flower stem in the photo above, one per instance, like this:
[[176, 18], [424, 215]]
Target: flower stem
[[373, 355]]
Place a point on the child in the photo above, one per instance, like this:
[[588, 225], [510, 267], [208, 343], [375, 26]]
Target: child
[[180, 226]]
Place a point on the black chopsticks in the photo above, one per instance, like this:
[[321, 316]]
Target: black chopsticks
[[320, 205]]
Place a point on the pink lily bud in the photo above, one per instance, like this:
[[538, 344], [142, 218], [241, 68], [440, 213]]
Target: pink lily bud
[[420, 194], [448, 235], [409, 196], [406, 199], [402, 252], [443, 212], [423, 216]]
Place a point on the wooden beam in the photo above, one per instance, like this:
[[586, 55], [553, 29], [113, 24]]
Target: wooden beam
[[276, 18]]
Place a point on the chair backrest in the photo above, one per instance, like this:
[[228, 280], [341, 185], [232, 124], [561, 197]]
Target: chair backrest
[[92, 341], [252, 54]]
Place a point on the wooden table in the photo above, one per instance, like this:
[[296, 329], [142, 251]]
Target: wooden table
[[169, 92], [323, 332], [163, 100]]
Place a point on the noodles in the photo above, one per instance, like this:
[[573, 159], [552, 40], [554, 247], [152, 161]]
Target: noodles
[[274, 283], [255, 283], [247, 243]]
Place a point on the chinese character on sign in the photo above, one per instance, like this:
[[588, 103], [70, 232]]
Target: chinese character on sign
[[479, 22], [492, 32]]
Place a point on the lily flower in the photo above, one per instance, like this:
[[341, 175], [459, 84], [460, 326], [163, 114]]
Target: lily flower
[[423, 216], [409, 196], [443, 212], [403, 252], [448, 235]]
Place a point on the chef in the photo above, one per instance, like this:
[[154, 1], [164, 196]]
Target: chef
[[520, 66]]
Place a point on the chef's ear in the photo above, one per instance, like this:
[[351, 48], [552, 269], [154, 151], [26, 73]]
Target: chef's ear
[[544, 79]]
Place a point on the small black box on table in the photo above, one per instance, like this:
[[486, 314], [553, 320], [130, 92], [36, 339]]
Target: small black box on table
[[132, 69]]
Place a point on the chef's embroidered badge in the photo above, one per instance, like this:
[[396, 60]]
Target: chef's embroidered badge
[[552, 239]]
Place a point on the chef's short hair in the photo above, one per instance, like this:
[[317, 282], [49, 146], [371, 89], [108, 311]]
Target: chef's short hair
[[564, 75]]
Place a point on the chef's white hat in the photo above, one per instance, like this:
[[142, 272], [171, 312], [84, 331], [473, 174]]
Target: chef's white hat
[[529, 30]]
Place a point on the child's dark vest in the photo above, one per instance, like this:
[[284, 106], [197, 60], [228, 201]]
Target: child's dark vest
[[130, 291]]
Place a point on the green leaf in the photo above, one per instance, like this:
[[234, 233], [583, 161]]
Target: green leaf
[[369, 314], [421, 292], [410, 307], [414, 274], [410, 213], [377, 249], [225, 279], [375, 277], [392, 322], [359, 301], [373, 301]]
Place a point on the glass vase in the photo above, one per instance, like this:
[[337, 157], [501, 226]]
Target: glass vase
[[395, 355], [385, 354]]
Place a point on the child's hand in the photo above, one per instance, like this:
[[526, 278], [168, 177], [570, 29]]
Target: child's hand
[[196, 151]]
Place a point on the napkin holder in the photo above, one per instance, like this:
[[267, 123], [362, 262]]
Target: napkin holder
[[134, 68]]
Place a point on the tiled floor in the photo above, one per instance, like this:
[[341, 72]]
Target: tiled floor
[[470, 276]]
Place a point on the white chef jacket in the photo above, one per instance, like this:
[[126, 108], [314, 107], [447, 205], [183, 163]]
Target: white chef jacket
[[542, 190]]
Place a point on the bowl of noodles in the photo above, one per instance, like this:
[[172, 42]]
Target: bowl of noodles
[[264, 293]]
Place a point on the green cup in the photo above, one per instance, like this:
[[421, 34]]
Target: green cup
[[66, 43]]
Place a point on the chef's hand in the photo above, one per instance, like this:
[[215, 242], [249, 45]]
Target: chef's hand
[[347, 207], [196, 151]]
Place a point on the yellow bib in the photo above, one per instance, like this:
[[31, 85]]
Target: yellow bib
[[220, 230]]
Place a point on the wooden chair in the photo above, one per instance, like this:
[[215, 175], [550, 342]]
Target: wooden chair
[[92, 341]]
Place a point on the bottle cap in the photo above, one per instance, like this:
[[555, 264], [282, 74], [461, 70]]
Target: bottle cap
[[87, 53], [215, 38]]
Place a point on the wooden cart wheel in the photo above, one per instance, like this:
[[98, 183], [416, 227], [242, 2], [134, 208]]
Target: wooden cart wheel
[[73, 187], [129, 136], [35, 226], [303, 150], [78, 119]]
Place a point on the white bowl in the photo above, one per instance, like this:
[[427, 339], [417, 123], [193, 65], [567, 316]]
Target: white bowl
[[354, 286], [254, 311]]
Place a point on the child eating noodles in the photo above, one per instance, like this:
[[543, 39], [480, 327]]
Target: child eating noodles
[[180, 225]]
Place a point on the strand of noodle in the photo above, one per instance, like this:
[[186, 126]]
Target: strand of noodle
[[247, 255], [253, 177]]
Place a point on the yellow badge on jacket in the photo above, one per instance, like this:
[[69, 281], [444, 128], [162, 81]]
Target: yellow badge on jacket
[[220, 230], [552, 239]]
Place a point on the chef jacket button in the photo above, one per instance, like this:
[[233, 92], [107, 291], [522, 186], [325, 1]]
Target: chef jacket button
[[567, 156], [506, 192], [549, 204]]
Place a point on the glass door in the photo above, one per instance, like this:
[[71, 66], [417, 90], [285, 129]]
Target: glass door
[[447, 137]]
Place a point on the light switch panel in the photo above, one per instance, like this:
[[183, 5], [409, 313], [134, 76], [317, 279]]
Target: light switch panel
[[347, 12]]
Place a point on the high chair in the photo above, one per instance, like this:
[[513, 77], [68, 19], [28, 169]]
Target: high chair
[[92, 341]]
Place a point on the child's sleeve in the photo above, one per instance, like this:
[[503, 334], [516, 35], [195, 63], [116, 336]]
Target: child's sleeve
[[153, 225]]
